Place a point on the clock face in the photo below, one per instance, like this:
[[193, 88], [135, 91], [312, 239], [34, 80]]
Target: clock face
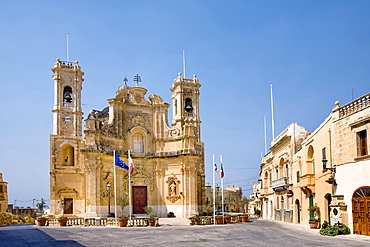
[[67, 118]]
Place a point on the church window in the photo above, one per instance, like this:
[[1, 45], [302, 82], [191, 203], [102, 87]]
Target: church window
[[67, 95], [362, 143], [138, 143], [67, 155]]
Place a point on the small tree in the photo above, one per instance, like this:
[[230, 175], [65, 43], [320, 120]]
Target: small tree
[[123, 201], [64, 205], [41, 205], [148, 210]]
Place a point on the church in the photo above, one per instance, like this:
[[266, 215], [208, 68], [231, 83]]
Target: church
[[169, 171]]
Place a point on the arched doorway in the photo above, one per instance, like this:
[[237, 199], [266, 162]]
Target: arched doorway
[[298, 210], [327, 207], [361, 211]]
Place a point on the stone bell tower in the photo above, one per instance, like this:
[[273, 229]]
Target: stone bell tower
[[185, 101], [186, 118], [66, 141]]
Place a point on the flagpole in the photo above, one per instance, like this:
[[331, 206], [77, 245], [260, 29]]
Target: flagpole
[[129, 186], [115, 185], [222, 186], [214, 190]]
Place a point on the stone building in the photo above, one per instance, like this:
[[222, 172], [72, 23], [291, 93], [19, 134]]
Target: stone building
[[3, 194], [327, 168], [169, 159], [232, 195]]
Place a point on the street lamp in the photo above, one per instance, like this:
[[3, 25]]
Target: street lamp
[[108, 191], [324, 161]]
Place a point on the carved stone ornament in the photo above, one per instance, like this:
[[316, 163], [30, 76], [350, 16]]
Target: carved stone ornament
[[173, 199], [138, 120], [138, 98], [175, 132]]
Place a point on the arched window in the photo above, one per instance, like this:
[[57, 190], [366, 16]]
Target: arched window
[[138, 143], [265, 184], [68, 155], [67, 95], [310, 160], [281, 167], [188, 105], [175, 106]]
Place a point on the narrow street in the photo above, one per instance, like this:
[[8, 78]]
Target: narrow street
[[256, 233]]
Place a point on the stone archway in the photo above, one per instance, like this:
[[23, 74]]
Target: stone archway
[[361, 211]]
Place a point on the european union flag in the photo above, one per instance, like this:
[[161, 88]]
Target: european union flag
[[120, 163]]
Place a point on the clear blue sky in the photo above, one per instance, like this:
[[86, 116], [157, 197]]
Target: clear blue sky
[[313, 52]]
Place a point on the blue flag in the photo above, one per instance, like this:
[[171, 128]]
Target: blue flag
[[120, 163]]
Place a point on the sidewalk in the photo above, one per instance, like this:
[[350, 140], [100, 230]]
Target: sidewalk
[[317, 231]]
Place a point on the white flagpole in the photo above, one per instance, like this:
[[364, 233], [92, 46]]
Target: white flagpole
[[129, 185], [214, 190], [115, 185], [222, 186], [272, 114], [184, 62]]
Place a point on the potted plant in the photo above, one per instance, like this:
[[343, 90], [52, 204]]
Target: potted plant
[[227, 218], [196, 219], [244, 218], [219, 219], [331, 180], [63, 206], [122, 221], [314, 221], [151, 220], [41, 221]]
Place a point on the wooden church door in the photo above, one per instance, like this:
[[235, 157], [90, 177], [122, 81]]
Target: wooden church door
[[139, 199]]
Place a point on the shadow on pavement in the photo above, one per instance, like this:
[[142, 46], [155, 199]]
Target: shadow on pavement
[[29, 235]]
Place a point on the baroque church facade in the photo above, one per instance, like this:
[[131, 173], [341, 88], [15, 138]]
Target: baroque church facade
[[169, 160]]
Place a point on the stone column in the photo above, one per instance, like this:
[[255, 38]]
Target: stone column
[[92, 189]]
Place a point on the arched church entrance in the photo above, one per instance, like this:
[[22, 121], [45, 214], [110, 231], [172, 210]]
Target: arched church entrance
[[361, 211]]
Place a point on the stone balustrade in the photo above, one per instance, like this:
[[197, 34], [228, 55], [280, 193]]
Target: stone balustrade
[[76, 221], [354, 106]]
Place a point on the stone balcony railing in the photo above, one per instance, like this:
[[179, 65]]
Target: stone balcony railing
[[354, 106], [280, 184]]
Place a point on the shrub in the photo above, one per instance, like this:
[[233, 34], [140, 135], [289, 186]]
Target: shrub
[[336, 229]]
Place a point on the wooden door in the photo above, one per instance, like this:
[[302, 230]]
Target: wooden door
[[68, 205], [139, 199], [361, 211]]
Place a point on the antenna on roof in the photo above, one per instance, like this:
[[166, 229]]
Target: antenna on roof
[[184, 62], [67, 47]]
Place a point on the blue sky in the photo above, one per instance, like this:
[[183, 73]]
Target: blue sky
[[312, 52]]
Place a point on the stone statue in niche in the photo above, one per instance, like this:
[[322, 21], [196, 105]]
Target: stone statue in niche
[[173, 189]]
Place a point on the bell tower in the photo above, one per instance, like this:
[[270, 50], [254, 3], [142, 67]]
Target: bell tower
[[185, 102], [67, 111], [66, 141]]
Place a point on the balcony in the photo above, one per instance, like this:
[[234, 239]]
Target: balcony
[[307, 183], [280, 184]]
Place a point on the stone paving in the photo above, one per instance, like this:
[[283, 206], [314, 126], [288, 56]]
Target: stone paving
[[256, 233]]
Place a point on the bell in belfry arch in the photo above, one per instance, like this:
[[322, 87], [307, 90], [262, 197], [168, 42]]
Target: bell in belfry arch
[[68, 97], [188, 106]]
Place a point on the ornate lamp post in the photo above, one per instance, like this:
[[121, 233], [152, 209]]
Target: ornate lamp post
[[108, 192]]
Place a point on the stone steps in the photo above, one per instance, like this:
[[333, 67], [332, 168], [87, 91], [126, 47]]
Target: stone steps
[[173, 222]]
